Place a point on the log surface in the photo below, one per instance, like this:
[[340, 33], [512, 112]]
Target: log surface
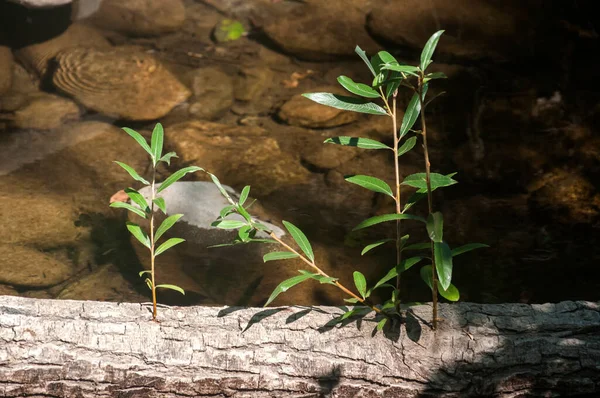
[[52, 348]]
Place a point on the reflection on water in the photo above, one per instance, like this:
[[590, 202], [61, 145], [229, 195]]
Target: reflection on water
[[518, 123]]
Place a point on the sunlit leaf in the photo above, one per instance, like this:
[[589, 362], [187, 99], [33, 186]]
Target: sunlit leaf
[[160, 202], [383, 58], [285, 285], [129, 207], [374, 245], [176, 176], [221, 188], [412, 113], [140, 235], [145, 272], [300, 239], [244, 213], [435, 226], [467, 248], [165, 225], [359, 89], [365, 143], [321, 278], [386, 217], [429, 48], [139, 139], [450, 294], [156, 144], [227, 210], [407, 263], [392, 273], [419, 180], [361, 283], [371, 183], [352, 300], [278, 256], [167, 245], [138, 199], [443, 263], [172, 287], [346, 103], [167, 157], [244, 195], [132, 173], [245, 233], [148, 283], [411, 70], [407, 146], [228, 224], [363, 56], [381, 324]]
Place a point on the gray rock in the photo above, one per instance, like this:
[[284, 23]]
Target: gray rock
[[41, 3]]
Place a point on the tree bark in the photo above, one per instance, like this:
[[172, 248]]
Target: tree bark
[[62, 348]]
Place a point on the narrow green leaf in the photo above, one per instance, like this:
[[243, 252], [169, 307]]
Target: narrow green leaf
[[418, 246], [278, 256], [412, 113], [435, 226], [138, 199], [392, 273], [244, 213], [156, 144], [385, 58], [245, 233], [371, 183], [434, 76], [176, 176], [467, 248], [172, 287], [227, 210], [363, 56], [140, 235], [322, 279], [132, 173], [357, 88], [381, 324], [148, 283], [244, 195], [374, 245], [361, 283], [129, 207], [139, 139], [346, 103], [228, 224], [167, 157], [285, 285], [160, 202], [429, 48], [386, 217], [392, 83], [443, 263], [407, 263], [411, 70], [165, 225], [300, 239], [352, 300], [419, 180], [145, 272], [167, 245], [263, 241], [365, 143], [407, 146], [221, 188]]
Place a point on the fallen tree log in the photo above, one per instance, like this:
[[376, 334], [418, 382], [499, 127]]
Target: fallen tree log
[[62, 348]]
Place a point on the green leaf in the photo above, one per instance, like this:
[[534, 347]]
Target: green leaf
[[371, 183], [352, 300], [172, 287], [129, 207], [227, 210], [383, 58], [322, 279], [145, 272], [138, 198], [433, 76], [285, 285], [365, 143], [278, 256], [167, 245], [346, 103], [228, 224], [244, 213], [412, 113], [419, 180], [221, 188], [467, 248], [167, 157], [357, 88], [386, 217], [245, 233], [374, 245], [407, 263], [413, 199], [411, 70], [156, 144], [450, 294], [363, 56], [132, 173], [148, 283], [165, 225], [443, 263], [160, 202], [140, 235], [392, 273], [407, 146], [393, 82], [244, 195], [176, 176], [429, 48], [300, 239], [381, 324], [435, 226], [361, 283], [139, 139], [418, 246]]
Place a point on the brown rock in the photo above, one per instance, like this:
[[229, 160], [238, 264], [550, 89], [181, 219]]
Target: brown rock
[[238, 155], [140, 17], [6, 69], [23, 266], [36, 56], [213, 93], [300, 111], [119, 82], [45, 112], [23, 81], [6, 290]]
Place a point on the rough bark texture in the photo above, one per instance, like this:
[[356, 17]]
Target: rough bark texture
[[67, 348]]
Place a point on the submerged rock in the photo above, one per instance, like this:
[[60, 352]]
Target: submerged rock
[[213, 93], [27, 267], [119, 82], [44, 112], [6, 69]]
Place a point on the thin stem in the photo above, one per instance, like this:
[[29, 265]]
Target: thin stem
[[152, 244], [397, 172], [434, 287], [320, 272]]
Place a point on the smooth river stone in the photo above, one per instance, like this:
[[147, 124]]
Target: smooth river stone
[[24, 266]]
